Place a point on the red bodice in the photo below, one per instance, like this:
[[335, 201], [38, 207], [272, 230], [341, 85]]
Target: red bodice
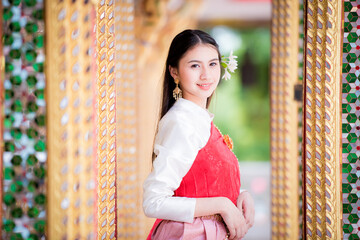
[[214, 173]]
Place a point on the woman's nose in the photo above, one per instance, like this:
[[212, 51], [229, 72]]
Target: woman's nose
[[204, 73]]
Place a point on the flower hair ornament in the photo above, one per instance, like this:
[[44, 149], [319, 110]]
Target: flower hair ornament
[[229, 64]]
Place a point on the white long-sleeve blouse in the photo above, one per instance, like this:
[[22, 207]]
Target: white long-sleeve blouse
[[182, 132]]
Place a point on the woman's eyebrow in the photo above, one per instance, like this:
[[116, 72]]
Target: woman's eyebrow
[[191, 61], [214, 59], [198, 61]]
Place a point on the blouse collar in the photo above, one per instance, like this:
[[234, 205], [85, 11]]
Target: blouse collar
[[204, 113]]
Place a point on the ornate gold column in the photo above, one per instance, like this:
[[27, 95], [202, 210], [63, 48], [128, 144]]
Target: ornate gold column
[[71, 184], [284, 120], [322, 112], [128, 185], [106, 149]]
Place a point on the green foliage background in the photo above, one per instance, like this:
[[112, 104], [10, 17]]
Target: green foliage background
[[243, 111]]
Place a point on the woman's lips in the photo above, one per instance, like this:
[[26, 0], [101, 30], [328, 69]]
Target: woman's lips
[[204, 86]]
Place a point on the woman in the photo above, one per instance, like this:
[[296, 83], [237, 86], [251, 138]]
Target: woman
[[194, 187]]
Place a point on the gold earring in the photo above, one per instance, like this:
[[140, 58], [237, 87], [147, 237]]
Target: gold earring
[[177, 93]]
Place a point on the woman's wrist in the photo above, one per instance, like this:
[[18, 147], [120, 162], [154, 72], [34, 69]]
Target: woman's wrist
[[224, 204], [211, 206]]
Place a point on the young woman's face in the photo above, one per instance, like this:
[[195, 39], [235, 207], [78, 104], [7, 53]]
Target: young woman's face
[[199, 73]]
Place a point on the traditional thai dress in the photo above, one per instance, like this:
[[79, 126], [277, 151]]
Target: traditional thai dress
[[193, 161]]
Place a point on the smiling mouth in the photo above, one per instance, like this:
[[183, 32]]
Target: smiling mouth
[[204, 85]]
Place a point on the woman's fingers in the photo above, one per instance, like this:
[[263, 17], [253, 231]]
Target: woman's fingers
[[239, 235], [234, 230], [237, 232], [232, 233], [243, 228], [236, 236], [245, 203], [249, 214], [235, 221]]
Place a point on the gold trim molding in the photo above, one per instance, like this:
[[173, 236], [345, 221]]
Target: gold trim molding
[[70, 125], [129, 225], [284, 119], [106, 149], [322, 114]]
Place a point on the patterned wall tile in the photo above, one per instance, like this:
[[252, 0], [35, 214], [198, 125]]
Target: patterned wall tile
[[350, 121], [24, 136]]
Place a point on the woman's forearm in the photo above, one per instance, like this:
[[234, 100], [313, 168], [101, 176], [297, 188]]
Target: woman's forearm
[[233, 218], [210, 206]]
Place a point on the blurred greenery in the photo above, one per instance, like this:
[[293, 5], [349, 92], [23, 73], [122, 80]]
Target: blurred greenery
[[241, 105]]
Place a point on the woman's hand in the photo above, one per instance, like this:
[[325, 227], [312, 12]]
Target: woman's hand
[[245, 204], [234, 220]]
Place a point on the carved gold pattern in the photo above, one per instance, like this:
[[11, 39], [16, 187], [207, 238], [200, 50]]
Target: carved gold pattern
[[128, 184], [106, 149], [284, 119], [300, 117], [70, 124], [322, 120]]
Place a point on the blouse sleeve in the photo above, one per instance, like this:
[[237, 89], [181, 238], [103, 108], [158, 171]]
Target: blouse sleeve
[[176, 147]]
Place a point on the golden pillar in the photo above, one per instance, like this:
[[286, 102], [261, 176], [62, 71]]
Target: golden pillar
[[94, 121], [128, 184], [322, 112], [284, 120], [70, 125], [119, 202]]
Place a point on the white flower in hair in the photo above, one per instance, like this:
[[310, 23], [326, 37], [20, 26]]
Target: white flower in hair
[[226, 75], [229, 64]]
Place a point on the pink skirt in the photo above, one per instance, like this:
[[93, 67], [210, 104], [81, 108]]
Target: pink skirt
[[203, 228]]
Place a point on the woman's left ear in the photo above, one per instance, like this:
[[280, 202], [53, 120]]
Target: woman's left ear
[[173, 72]]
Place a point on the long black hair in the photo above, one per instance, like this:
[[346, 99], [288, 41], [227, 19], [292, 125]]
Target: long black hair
[[182, 42]]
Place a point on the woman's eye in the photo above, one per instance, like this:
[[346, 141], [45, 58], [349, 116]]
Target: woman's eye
[[195, 65], [213, 64]]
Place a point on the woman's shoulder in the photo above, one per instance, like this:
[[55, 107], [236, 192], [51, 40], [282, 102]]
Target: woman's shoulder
[[186, 116], [179, 110], [185, 120], [177, 116], [175, 125]]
